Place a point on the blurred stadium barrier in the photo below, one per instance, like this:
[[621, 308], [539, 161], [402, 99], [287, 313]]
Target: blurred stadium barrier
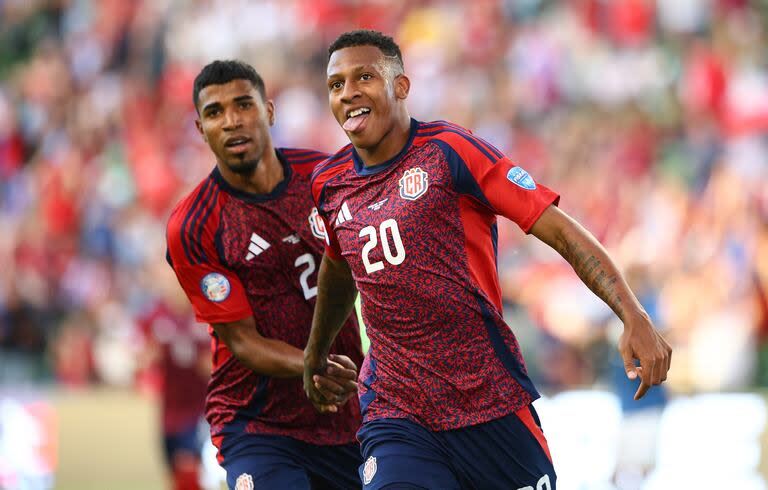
[[109, 439]]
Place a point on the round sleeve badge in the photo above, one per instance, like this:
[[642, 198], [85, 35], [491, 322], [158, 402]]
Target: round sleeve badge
[[215, 287]]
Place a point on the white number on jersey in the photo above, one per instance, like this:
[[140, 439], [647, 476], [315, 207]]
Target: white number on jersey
[[390, 226], [309, 261]]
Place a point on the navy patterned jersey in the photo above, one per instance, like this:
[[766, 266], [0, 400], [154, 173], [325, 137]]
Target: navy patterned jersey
[[237, 254], [419, 234]]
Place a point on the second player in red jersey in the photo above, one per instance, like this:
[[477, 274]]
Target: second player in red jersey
[[246, 245]]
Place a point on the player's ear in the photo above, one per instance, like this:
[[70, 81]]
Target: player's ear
[[270, 107], [199, 126], [402, 86]]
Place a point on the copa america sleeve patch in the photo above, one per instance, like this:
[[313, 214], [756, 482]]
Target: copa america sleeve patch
[[521, 178], [215, 287]]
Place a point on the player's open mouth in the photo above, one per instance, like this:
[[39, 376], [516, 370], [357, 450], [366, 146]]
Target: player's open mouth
[[356, 119], [238, 144]]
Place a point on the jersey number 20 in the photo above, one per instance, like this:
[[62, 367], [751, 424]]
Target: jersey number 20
[[387, 227]]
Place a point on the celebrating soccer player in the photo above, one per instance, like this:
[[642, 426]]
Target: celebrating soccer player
[[410, 217], [245, 245]]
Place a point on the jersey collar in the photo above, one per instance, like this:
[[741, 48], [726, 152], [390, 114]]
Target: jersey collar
[[360, 167], [278, 191]]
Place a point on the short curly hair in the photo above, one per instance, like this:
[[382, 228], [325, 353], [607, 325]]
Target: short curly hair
[[367, 37], [224, 71]]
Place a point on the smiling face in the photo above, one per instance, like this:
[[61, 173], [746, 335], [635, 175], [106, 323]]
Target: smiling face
[[367, 93], [234, 121]]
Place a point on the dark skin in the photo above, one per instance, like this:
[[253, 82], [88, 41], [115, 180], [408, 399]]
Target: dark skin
[[234, 121], [361, 76]]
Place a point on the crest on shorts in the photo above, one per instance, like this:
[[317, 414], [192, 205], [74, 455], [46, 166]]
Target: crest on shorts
[[414, 183], [369, 470], [317, 225], [521, 178], [215, 287], [244, 482]]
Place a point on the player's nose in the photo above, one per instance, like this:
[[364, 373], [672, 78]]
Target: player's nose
[[349, 92], [232, 120]]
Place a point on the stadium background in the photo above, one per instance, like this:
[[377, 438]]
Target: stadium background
[[650, 117]]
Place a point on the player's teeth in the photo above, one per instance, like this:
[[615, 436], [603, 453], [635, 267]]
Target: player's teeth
[[357, 112]]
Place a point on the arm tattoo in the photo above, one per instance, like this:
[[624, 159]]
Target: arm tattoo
[[600, 279]]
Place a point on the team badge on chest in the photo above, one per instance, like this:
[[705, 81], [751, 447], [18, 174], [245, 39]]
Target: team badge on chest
[[317, 225], [414, 183]]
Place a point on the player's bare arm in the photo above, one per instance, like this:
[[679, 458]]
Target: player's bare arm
[[278, 359], [335, 300], [595, 268]]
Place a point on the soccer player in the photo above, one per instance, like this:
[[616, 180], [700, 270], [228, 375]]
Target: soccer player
[[245, 245], [177, 359], [410, 212]]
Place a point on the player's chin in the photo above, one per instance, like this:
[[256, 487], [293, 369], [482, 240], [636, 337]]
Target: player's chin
[[363, 139], [242, 164]]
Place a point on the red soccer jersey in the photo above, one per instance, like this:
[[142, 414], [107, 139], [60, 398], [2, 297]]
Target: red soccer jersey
[[419, 234], [182, 344], [238, 254]]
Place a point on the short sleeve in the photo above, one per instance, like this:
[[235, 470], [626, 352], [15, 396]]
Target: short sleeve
[[514, 193], [482, 171], [216, 293]]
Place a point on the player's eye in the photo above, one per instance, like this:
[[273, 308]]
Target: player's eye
[[212, 112], [335, 85], [246, 105], [366, 76]]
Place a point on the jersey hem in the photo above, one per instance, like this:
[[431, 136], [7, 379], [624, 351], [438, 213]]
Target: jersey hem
[[441, 427], [233, 438]]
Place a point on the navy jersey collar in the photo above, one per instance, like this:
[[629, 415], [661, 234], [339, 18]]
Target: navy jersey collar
[[360, 167], [278, 191]]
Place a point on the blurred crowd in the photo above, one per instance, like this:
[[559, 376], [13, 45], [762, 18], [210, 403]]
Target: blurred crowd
[[650, 117]]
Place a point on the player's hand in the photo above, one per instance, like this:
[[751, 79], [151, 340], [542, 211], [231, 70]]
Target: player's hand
[[339, 380], [643, 342], [316, 397]]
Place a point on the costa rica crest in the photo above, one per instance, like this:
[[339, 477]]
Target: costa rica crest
[[369, 470], [414, 183], [317, 225], [244, 482]]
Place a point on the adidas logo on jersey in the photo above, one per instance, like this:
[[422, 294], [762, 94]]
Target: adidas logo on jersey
[[256, 246], [344, 214]]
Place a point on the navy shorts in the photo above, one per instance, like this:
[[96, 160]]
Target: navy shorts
[[509, 453], [189, 440], [283, 462]]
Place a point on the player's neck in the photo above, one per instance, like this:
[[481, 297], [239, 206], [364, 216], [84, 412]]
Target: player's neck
[[390, 145], [262, 180]]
